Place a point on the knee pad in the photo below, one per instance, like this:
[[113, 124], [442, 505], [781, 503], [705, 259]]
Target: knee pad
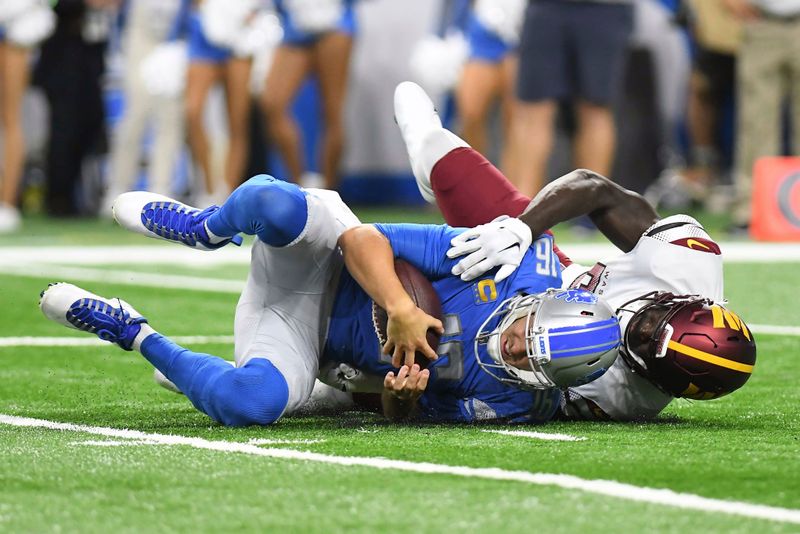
[[255, 394], [274, 210]]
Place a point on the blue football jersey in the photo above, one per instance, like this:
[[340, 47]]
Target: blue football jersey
[[458, 389]]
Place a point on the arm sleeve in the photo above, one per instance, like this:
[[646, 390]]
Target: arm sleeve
[[422, 245]]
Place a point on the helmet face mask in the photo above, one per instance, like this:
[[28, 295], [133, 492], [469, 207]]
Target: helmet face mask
[[570, 337], [686, 345]]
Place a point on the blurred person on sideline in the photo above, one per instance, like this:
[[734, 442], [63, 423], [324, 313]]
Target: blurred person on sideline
[[658, 30], [715, 34], [149, 26], [490, 72], [574, 51], [70, 71], [213, 25], [768, 72], [23, 24], [317, 39]]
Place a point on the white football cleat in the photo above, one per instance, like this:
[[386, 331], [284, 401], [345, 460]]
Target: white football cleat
[[161, 217], [425, 138], [111, 320]]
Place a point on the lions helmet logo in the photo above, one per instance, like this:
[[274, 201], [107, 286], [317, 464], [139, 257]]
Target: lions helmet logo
[[577, 295]]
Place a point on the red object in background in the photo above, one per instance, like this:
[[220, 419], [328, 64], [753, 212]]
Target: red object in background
[[776, 199]]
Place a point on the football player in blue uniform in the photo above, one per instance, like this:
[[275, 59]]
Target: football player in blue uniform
[[315, 273]]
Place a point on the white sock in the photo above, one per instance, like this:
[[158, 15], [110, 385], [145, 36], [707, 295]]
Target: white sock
[[145, 331], [435, 145], [212, 237]]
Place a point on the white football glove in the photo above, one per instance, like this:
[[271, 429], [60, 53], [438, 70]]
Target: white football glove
[[502, 242]]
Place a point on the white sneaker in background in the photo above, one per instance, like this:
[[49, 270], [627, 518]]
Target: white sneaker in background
[[10, 219]]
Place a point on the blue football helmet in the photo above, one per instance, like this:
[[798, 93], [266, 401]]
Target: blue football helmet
[[572, 337]]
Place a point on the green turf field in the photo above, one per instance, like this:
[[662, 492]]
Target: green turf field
[[181, 472]]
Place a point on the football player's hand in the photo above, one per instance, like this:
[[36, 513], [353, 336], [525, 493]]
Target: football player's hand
[[408, 385], [502, 242], [406, 334]]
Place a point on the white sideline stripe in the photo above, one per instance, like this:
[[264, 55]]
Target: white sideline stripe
[[86, 274], [126, 255], [602, 487], [775, 329], [732, 252], [536, 435], [93, 341]]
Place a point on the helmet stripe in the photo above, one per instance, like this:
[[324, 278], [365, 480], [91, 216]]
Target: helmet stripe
[[581, 351], [584, 327], [710, 358], [576, 341]]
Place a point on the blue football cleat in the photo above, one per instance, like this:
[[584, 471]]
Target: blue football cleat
[[161, 217], [110, 320]]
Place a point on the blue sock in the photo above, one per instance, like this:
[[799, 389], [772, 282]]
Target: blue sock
[[254, 394], [274, 210]]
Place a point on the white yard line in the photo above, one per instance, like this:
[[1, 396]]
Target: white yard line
[[610, 488], [60, 273], [775, 329], [536, 435], [93, 341]]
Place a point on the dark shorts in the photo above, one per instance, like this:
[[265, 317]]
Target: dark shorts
[[573, 49], [719, 71]]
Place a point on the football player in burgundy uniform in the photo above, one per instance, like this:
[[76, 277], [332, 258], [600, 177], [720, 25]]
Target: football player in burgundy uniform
[[667, 287]]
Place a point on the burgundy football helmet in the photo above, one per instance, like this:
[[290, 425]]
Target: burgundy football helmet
[[687, 345]]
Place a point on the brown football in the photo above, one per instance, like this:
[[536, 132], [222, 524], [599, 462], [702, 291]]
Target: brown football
[[424, 296]]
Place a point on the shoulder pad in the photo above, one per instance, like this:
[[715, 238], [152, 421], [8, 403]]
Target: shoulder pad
[[684, 231]]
